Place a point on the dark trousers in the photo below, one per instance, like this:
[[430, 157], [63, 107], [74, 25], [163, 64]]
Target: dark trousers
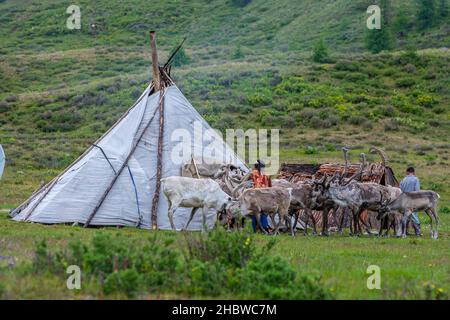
[[264, 221]]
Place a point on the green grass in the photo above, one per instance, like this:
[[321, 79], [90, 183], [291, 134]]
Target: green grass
[[408, 266]]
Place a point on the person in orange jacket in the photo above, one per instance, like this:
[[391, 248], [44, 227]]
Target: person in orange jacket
[[260, 180]]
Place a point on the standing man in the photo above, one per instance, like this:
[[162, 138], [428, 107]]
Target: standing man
[[260, 180], [411, 183]]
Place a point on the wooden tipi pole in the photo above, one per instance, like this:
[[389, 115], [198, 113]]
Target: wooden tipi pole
[[155, 65], [158, 84]]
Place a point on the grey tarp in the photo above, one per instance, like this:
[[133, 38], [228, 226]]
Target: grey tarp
[[76, 192]]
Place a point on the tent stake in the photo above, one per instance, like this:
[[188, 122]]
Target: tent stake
[[155, 201]]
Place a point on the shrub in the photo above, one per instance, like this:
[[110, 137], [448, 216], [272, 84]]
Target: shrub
[[310, 150], [61, 120], [288, 122], [426, 13], [240, 3], [136, 93], [320, 52], [378, 40], [217, 263], [222, 262], [388, 111], [410, 68], [391, 125], [146, 265], [405, 82], [356, 77], [126, 281], [4, 106], [100, 99], [316, 122], [133, 82], [225, 122], [346, 65], [180, 58], [356, 120], [425, 100], [444, 210], [237, 53], [11, 98], [257, 99]]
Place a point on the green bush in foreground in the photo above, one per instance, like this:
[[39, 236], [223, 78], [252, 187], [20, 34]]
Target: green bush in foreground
[[216, 264]]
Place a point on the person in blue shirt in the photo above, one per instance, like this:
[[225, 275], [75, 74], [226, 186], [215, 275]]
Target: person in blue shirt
[[411, 183]]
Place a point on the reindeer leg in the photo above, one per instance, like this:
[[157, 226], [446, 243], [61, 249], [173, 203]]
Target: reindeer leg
[[288, 220], [190, 218], [388, 223], [399, 232], [357, 228], [296, 214], [436, 219], [291, 226], [314, 222], [275, 232], [205, 212], [325, 222], [307, 213], [380, 231], [335, 218], [404, 222], [366, 225], [352, 227], [341, 222], [433, 216], [170, 212]]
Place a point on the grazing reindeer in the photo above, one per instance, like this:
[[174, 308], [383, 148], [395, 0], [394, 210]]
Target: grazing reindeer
[[194, 193], [409, 202]]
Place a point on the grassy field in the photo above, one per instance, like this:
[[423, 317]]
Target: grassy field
[[410, 268], [250, 67]]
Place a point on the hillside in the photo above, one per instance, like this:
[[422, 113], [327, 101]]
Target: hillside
[[36, 26], [62, 89]]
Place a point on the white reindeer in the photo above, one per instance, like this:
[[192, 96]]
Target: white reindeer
[[194, 193]]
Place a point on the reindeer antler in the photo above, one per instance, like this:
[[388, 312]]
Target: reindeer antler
[[358, 175], [381, 153], [345, 172], [239, 186]]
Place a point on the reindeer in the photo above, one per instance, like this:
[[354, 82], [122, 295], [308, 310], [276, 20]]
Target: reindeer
[[271, 201], [409, 202], [348, 193], [194, 193]]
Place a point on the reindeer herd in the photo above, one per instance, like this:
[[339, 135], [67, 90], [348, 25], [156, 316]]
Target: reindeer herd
[[284, 201]]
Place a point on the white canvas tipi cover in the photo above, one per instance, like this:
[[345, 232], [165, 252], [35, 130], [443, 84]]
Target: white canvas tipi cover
[[75, 194]]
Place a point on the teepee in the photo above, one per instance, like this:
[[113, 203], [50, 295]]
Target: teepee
[[116, 182]]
